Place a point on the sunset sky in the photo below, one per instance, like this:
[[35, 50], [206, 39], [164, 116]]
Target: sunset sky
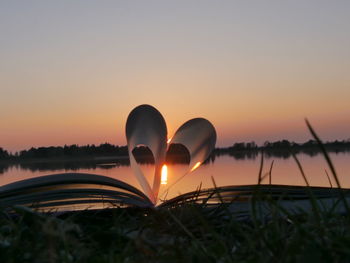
[[71, 71]]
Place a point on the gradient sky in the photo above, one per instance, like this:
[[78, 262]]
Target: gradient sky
[[71, 71]]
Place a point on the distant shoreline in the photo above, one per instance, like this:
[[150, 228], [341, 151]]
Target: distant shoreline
[[177, 153], [64, 159]]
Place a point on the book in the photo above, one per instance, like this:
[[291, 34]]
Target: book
[[81, 191]]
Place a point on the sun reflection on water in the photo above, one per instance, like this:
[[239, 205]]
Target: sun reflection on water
[[164, 175]]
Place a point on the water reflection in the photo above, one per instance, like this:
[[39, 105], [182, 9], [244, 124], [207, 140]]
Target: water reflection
[[111, 163], [282, 154], [225, 169], [67, 165]]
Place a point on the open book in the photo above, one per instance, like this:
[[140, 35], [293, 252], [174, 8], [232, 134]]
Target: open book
[[77, 191]]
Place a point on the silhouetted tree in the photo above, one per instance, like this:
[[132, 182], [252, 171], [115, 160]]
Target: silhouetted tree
[[4, 154]]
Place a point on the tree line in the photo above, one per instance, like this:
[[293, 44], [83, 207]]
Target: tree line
[[74, 150], [282, 148]]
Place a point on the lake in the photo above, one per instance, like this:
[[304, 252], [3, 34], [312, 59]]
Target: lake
[[225, 170]]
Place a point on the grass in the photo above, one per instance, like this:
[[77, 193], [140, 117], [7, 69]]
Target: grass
[[189, 233], [186, 232]]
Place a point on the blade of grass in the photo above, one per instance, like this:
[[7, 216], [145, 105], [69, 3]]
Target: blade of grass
[[324, 152], [329, 180], [329, 162], [301, 169], [261, 167], [217, 191], [312, 198], [257, 195], [270, 171]]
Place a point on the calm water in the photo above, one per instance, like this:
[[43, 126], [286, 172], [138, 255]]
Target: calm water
[[225, 170]]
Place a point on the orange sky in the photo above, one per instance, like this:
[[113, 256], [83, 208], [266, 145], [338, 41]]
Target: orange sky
[[71, 72]]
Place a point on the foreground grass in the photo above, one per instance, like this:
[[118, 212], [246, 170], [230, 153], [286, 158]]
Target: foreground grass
[[190, 233]]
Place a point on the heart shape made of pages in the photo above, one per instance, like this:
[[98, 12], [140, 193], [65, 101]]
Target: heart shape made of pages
[[146, 126]]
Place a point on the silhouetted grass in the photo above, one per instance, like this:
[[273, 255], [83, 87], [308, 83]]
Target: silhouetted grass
[[187, 233]]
